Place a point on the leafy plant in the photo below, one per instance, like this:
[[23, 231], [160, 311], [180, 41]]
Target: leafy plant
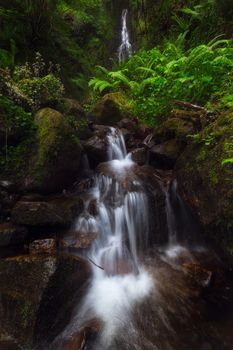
[[154, 79]]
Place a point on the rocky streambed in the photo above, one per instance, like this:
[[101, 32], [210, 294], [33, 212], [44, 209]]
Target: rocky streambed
[[45, 271]]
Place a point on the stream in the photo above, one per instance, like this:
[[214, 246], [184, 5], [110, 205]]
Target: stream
[[176, 295]]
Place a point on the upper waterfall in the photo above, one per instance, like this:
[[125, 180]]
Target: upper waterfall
[[125, 49]]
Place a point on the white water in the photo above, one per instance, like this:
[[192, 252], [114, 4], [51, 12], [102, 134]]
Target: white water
[[119, 279], [125, 49]]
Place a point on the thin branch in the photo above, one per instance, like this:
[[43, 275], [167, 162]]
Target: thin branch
[[100, 267]]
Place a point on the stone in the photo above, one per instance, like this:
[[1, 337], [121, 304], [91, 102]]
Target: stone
[[206, 184], [110, 109], [139, 155], [164, 155], [172, 128], [198, 274], [33, 284], [78, 240], [43, 246], [55, 211], [79, 339], [96, 149], [54, 164], [11, 234]]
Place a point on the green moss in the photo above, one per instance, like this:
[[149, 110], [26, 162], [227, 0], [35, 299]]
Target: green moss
[[26, 313]]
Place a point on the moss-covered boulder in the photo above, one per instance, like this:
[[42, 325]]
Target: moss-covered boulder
[[47, 211], [35, 288], [172, 128], [55, 163], [206, 182], [110, 109]]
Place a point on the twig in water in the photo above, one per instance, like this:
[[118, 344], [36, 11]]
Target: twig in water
[[100, 267]]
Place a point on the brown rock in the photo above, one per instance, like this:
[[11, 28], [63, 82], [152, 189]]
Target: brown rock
[[110, 109], [11, 234], [50, 211], [43, 246]]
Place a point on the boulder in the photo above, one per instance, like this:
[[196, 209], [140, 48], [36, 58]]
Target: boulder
[[173, 128], [11, 234], [139, 155], [110, 109], [32, 285], [164, 155], [206, 183], [96, 147], [54, 211], [55, 162]]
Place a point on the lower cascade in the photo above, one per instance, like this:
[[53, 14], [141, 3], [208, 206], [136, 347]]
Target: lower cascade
[[121, 227], [143, 291]]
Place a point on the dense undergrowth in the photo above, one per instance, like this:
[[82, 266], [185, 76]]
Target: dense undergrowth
[[153, 80]]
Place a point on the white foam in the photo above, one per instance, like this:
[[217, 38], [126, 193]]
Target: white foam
[[112, 299]]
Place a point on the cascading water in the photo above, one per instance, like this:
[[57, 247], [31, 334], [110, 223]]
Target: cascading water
[[121, 226], [125, 49]]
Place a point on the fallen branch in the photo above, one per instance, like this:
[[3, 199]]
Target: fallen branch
[[100, 267], [191, 106]]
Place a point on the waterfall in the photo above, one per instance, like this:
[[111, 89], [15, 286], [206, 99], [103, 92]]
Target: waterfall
[[121, 227], [125, 49]]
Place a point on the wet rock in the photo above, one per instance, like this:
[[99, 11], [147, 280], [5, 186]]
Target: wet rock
[[54, 164], [93, 207], [96, 149], [11, 234], [206, 184], [110, 109], [54, 211], [139, 156], [79, 339], [164, 155], [173, 128], [78, 240], [198, 274], [43, 246], [28, 284]]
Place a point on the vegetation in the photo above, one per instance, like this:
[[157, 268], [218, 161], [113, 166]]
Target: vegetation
[[155, 79]]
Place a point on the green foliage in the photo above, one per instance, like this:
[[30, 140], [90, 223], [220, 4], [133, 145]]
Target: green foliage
[[42, 90], [155, 79], [36, 83], [14, 115]]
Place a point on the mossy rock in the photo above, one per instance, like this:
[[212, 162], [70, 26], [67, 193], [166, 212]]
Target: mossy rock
[[110, 109], [55, 163], [35, 287], [206, 182], [173, 128]]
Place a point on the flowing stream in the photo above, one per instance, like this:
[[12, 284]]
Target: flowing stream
[[142, 297], [125, 49]]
